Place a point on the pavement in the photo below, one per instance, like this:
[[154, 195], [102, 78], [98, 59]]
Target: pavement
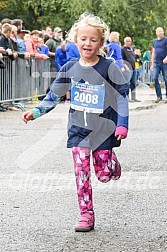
[[147, 96], [38, 204]]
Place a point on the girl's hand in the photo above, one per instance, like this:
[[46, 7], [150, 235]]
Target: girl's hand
[[120, 137], [27, 116], [121, 132]]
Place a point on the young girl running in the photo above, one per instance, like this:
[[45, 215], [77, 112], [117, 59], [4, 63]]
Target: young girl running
[[98, 114]]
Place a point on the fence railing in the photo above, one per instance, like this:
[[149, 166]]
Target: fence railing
[[147, 74], [24, 79], [27, 79]]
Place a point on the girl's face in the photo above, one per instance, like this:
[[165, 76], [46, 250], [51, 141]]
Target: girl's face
[[89, 40]]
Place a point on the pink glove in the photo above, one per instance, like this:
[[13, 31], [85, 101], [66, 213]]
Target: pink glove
[[121, 130]]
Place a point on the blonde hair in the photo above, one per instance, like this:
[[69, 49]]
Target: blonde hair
[[114, 36], [91, 20], [14, 28], [6, 27]]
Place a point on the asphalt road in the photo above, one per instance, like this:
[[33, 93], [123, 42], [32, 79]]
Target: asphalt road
[[38, 204]]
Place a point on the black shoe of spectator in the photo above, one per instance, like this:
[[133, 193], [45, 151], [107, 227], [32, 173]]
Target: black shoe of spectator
[[2, 109]]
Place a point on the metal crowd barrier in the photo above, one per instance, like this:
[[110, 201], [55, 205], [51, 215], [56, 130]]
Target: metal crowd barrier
[[24, 79], [147, 74], [29, 79]]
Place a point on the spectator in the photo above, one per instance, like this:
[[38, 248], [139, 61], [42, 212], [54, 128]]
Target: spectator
[[13, 37], [129, 56], [114, 47], [18, 23], [138, 64], [159, 53], [53, 43], [114, 54], [6, 21], [61, 59], [60, 56], [21, 47], [48, 31], [147, 54], [31, 42], [6, 43], [72, 51], [17, 42], [42, 48], [146, 60], [31, 45]]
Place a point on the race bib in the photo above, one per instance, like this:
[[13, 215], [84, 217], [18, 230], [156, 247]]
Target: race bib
[[87, 97]]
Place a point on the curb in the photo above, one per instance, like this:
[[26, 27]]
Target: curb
[[143, 107], [148, 106]]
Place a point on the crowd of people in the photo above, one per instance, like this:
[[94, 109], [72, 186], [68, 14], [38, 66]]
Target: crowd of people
[[16, 41]]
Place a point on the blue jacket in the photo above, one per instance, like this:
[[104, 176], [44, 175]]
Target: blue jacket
[[114, 53], [60, 57], [71, 51], [43, 50], [99, 130]]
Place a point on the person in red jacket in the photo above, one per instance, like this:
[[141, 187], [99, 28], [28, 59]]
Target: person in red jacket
[[31, 45]]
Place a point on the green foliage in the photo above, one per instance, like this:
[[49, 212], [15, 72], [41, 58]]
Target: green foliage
[[135, 18]]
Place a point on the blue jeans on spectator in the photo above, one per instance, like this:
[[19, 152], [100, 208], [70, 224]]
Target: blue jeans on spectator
[[137, 75], [133, 81], [159, 67]]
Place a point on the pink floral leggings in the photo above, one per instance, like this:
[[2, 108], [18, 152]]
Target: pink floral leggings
[[106, 168]]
